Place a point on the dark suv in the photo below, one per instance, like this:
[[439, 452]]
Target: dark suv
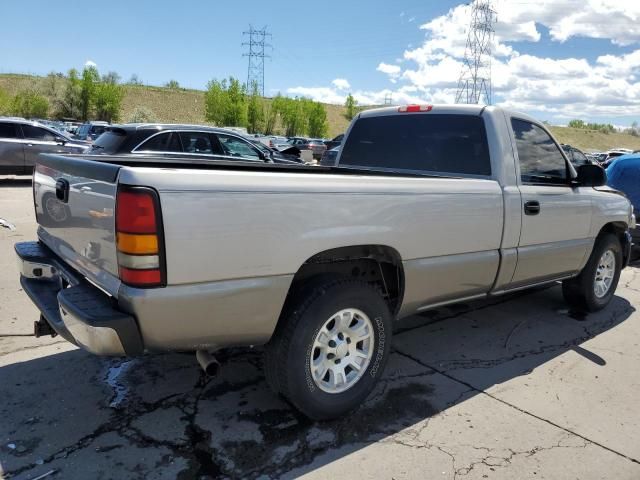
[[184, 141]]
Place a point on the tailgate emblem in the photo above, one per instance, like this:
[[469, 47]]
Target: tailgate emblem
[[62, 190]]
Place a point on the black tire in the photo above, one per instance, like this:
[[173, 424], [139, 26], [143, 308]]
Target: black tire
[[288, 353], [579, 291]]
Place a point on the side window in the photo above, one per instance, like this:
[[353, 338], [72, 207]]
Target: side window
[[539, 157], [37, 133], [198, 142], [9, 130], [234, 147], [165, 142], [579, 158], [429, 143]]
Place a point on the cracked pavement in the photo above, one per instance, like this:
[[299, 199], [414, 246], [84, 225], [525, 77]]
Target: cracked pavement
[[515, 387]]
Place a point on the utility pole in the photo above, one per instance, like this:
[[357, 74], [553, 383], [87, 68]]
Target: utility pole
[[257, 44], [474, 84]]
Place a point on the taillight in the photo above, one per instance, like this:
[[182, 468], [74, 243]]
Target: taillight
[[415, 108], [141, 261]]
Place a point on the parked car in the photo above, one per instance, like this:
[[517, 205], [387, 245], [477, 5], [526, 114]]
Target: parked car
[[90, 130], [184, 140], [612, 155], [428, 206], [335, 142], [21, 141], [317, 146], [329, 157], [575, 156], [624, 175]]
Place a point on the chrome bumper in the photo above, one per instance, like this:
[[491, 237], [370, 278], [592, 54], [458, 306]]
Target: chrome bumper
[[75, 309]]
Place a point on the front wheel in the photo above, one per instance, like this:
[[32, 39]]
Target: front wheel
[[594, 288], [330, 349]]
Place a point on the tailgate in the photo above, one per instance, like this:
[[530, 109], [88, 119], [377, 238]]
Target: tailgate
[[75, 205]]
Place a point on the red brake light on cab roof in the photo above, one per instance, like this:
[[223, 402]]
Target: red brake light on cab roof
[[141, 258], [415, 108]]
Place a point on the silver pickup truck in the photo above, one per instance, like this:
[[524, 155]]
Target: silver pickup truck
[[425, 206]]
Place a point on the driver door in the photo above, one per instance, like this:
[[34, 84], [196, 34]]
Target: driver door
[[556, 216], [39, 140]]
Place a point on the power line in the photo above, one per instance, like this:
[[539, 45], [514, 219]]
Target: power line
[[257, 44], [474, 85]]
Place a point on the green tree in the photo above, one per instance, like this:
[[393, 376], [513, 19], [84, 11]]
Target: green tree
[[351, 107], [69, 105], [142, 115], [51, 85], [172, 84], [270, 116], [317, 120], [111, 77], [215, 102], [236, 113], [107, 99], [30, 104], [292, 115], [255, 111], [134, 80], [90, 78], [577, 124]]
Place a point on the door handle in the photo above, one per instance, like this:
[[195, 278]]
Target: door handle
[[532, 207]]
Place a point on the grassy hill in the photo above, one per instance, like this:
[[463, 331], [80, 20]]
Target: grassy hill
[[187, 106], [169, 105]]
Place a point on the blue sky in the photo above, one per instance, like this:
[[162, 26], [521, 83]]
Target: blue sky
[[556, 59]]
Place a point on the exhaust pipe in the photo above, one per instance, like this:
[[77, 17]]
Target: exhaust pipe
[[208, 362]]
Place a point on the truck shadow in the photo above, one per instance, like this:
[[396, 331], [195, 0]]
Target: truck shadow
[[84, 416]]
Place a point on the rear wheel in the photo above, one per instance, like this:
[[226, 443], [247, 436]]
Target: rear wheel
[[330, 348], [594, 288]]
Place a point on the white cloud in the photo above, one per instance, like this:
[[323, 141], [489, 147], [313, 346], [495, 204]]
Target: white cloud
[[90, 63], [388, 69], [560, 88], [341, 84]]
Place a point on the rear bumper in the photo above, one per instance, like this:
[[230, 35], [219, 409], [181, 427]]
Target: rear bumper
[[75, 309]]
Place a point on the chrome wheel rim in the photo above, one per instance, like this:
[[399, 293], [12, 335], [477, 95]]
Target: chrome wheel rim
[[604, 274], [342, 350], [55, 209]]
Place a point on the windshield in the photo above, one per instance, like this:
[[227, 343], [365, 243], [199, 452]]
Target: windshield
[[260, 146]]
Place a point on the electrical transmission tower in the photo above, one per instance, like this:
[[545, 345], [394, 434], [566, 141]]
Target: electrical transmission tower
[[257, 44], [387, 99], [474, 85]]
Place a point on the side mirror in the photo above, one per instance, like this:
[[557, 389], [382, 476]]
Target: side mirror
[[591, 176], [61, 141]]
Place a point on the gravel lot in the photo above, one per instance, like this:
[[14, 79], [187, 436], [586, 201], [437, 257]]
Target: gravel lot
[[515, 388]]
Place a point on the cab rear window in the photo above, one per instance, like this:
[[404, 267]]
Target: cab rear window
[[421, 143]]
